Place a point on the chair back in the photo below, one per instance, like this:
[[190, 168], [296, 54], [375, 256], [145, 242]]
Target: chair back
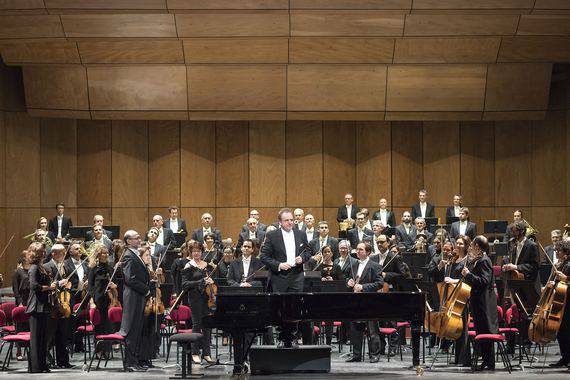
[[94, 316], [116, 314], [7, 308], [19, 314]]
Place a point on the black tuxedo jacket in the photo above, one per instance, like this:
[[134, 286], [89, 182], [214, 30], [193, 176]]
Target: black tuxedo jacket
[[315, 245], [449, 213], [273, 251], [159, 250], [235, 271], [342, 213], [390, 217], [89, 234], [136, 288], [408, 240], [371, 278], [344, 272], [417, 211], [260, 227], [528, 264], [69, 268], [549, 250], [181, 226], [393, 267], [65, 224], [352, 236], [198, 234], [470, 231], [259, 235], [38, 299]]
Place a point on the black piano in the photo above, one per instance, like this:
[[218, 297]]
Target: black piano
[[245, 313]]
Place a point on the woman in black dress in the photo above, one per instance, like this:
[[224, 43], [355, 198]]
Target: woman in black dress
[[38, 307], [21, 289], [98, 281], [177, 267], [483, 302], [195, 278], [562, 274]]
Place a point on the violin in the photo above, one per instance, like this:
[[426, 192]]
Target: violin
[[154, 303], [211, 291]]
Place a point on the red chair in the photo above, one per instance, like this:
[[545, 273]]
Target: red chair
[[8, 326], [389, 331], [21, 339], [115, 316], [499, 339], [179, 318]]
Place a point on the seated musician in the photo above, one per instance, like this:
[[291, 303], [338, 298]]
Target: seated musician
[[342, 271], [434, 249], [562, 274], [421, 228], [100, 238], [176, 269], [365, 277], [323, 262], [377, 231], [367, 222], [42, 224], [517, 217], [241, 269], [406, 232], [360, 231], [478, 272], [156, 250], [421, 243], [98, 220], [165, 235], [222, 268]]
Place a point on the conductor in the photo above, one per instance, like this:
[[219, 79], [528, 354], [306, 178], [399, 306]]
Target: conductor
[[284, 252]]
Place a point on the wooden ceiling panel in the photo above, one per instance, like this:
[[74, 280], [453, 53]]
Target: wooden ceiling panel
[[460, 24], [39, 52], [336, 87], [473, 4], [518, 87], [236, 87], [228, 4], [347, 23], [21, 4], [552, 4], [119, 25], [446, 50], [434, 116], [105, 4], [341, 50], [233, 24], [436, 87], [56, 87], [544, 25], [535, 49], [137, 88], [37, 26], [236, 50], [136, 51], [351, 4]]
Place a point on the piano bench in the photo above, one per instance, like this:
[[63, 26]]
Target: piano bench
[[185, 340]]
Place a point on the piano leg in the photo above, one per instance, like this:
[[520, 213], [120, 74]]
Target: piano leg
[[416, 333]]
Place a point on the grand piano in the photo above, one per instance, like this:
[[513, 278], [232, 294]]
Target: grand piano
[[241, 314]]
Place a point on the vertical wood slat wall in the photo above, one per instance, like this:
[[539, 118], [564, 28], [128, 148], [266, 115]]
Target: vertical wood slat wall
[[131, 170]]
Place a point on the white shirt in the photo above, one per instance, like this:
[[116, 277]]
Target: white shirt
[[246, 262], [206, 231], [384, 217], [323, 241], [462, 227], [310, 233], [341, 261], [252, 234], [174, 225], [348, 212], [382, 257], [368, 224], [361, 266], [423, 208], [300, 225], [360, 234], [376, 249], [407, 228], [152, 248], [289, 240], [59, 223], [80, 272], [456, 210]]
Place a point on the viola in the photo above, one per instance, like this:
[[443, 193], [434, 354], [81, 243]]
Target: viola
[[211, 291]]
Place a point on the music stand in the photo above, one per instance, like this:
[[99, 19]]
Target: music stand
[[179, 239], [435, 227], [452, 219], [390, 231], [495, 227], [78, 232], [431, 221], [311, 277]]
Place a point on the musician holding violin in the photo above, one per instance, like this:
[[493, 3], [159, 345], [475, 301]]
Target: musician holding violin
[[78, 280], [197, 282], [478, 273], [562, 274]]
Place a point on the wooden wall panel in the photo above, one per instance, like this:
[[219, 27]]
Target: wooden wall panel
[[473, 4], [198, 164], [228, 4], [304, 163], [85, 217], [23, 154], [513, 163], [351, 4], [555, 24], [446, 50], [232, 88], [131, 218], [341, 50], [106, 4], [479, 215], [58, 158], [347, 23], [441, 161], [518, 86], [267, 163], [228, 221], [548, 218], [59, 87], [160, 88], [407, 173], [435, 88], [232, 172], [549, 171], [22, 221], [40, 52], [22, 4], [146, 51], [130, 158], [477, 163], [164, 163], [118, 25], [94, 163], [460, 25], [2, 163], [551, 4], [535, 49], [339, 176], [329, 215], [373, 162], [236, 50], [336, 87], [233, 24], [30, 26]]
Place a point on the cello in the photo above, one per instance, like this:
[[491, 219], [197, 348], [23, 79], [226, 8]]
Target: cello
[[549, 310]]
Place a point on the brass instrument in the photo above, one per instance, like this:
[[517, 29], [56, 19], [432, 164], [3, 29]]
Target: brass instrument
[[343, 226], [530, 230]]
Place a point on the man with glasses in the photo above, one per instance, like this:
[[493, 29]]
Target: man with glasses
[[165, 235]]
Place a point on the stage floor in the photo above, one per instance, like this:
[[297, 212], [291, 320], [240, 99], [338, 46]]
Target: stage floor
[[339, 369]]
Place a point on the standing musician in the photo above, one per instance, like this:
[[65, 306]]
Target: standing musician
[[176, 270], [212, 253], [98, 220], [99, 287], [165, 235], [199, 233], [116, 262], [152, 312], [156, 249], [58, 324], [406, 232], [195, 279], [342, 268], [453, 211], [323, 262], [38, 308], [360, 232], [59, 224], [463, 226], [483, 301], [136, 289], [78, 282], [174, 223], [323, 239], [21, 289], [562, 274], [347, 212], [284, 252], [366, 278], [423, 209], [384, 215]]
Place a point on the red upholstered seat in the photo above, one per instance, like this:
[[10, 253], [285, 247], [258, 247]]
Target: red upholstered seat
[[387, 330], [493, 337], [115, 314], [181, 331], [335, 323], [402, 324], [16, 338], [9, 329], [88, 328], [109, 337], [19, 314], [95, 316], [503, 330], [162, 326], [23, 333], [316, 330], [472, 333]]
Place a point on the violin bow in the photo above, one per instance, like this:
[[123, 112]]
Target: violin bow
[[7, 245]]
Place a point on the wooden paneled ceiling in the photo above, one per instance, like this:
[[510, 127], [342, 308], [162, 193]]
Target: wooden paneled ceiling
[[286, 59]]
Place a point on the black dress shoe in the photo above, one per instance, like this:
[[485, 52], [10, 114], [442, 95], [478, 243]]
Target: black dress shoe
[[65, 366], [558, 364], [374, 359], [47, 370], [354, 359], [136, 369]]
